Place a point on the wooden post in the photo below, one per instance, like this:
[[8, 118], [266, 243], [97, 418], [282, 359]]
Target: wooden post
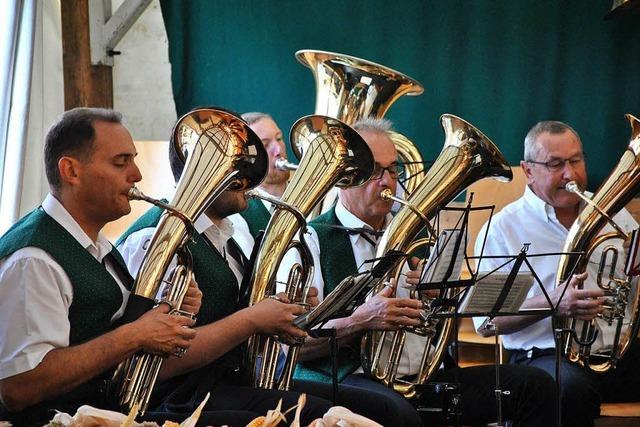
[[85, 85]]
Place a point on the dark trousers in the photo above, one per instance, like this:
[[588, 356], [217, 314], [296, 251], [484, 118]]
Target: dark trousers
[[531, 400], [582, 391]]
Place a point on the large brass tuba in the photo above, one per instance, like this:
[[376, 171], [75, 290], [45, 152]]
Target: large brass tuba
[[221, 152], [467, 156], [350, 88], [585, 235], [331, 154]]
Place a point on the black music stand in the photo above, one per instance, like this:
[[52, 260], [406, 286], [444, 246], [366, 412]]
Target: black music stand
[[496, 311], [450, 307]]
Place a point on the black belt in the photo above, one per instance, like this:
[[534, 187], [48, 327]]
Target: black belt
[[517, 356]]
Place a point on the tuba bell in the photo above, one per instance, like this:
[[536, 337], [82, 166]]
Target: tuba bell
[[334, 154], [467, 156], [350, 88], [221, 153], [622, 305]]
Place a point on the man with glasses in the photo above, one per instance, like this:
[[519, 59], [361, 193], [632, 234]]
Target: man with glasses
[[341, 240], [542, 217]]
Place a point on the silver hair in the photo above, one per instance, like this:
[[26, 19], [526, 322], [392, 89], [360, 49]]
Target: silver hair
[[531, 146], [373, 124], [253, 117]]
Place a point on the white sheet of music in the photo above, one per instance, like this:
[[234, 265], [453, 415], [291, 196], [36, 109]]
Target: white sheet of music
[[482, 297], [440, 258]]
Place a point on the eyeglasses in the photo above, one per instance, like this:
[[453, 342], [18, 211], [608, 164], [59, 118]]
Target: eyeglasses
[[378, 171], [557, 165]]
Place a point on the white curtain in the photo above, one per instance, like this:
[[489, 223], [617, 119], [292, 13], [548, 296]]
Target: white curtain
[[31, 96]]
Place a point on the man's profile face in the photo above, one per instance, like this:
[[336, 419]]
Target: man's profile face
[[365, 201], [107, 175], [548, 184], [271, 137]]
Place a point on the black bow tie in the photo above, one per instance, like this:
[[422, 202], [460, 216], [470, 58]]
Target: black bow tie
[[368, 234]]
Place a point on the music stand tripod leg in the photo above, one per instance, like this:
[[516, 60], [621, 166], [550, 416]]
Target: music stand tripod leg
[[498, 390]]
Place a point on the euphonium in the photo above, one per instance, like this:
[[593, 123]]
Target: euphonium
[[334, 154], [621, 307], [221, 152], [350, 88], [467, 156]]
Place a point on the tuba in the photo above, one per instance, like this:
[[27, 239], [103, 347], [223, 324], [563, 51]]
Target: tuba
[[221, 153], [350, 88], [331, 154], [467, 156], [621, 308]]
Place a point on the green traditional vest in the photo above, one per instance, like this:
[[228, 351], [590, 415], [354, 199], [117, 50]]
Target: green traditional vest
[[256, 215], [216, 280], [336, 263], [96, 297]]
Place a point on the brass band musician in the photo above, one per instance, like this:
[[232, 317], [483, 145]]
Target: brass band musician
[[63, 286], [553, 156]]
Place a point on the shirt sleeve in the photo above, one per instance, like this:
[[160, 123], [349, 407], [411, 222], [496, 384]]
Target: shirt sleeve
[[35, 296]]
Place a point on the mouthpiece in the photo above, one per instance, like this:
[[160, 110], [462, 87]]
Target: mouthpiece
[[387, 194], [572, 187], [251, 194], [284, 165], [135, 194]]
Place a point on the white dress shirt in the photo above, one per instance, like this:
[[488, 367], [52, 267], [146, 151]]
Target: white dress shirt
[[135, 246], [362, 251], [531, 220], [35, 296]]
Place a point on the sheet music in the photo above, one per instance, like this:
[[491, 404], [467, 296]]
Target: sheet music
[[482, 297], [441, 257]]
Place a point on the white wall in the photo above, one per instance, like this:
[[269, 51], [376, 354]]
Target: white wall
[[142, 77]]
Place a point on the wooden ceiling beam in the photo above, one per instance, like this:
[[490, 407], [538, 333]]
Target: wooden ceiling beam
[[85, 85]]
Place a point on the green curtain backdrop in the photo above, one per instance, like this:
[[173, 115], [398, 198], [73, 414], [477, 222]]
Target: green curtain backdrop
[[500, 64]]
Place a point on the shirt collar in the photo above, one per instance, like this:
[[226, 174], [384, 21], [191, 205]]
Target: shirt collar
[[99, 249], [218, 235], [539, 207], [270, 207], [542, 209], [349, 220]]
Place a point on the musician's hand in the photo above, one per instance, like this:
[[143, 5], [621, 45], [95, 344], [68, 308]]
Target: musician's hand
[[161, 333], [583, 304], [312, 297], [193, 298], [275, 317], [413, 279], [384, 312]]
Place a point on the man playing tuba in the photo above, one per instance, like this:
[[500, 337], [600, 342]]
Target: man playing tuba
[[63, 286], [339, 253], [553, 156]]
